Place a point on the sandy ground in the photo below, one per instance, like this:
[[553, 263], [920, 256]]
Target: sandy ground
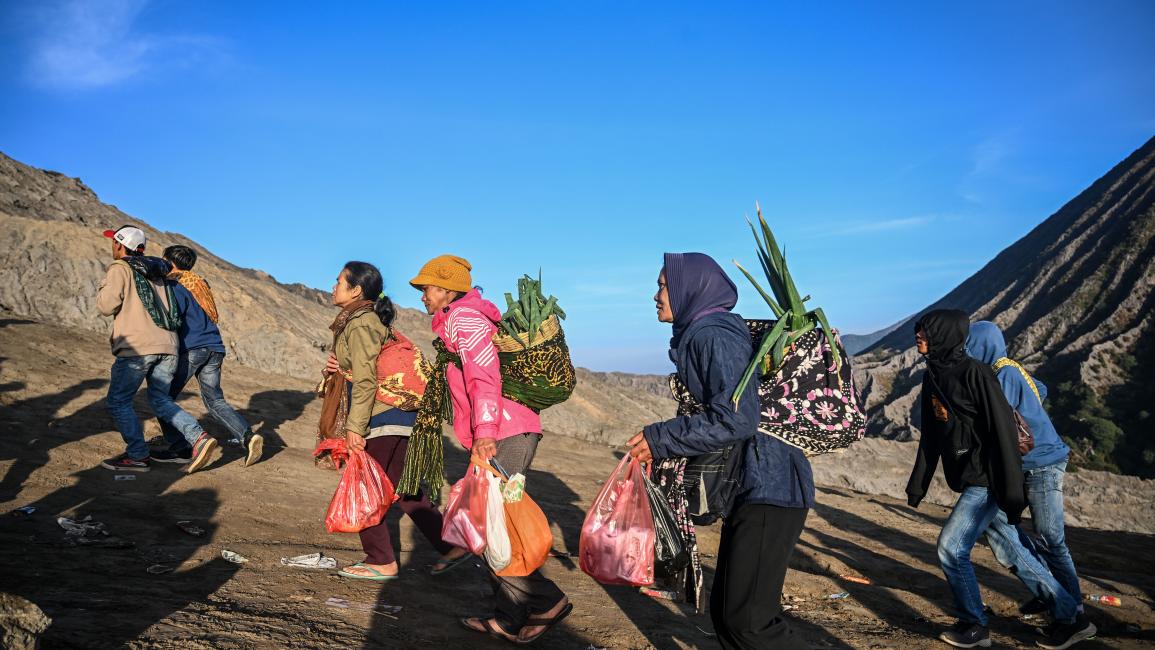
[[54, 432]]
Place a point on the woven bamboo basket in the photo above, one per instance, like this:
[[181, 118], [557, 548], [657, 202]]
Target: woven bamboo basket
[[507, 343]]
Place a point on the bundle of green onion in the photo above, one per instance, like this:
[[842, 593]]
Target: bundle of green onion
[[531, 309], [789, 307]]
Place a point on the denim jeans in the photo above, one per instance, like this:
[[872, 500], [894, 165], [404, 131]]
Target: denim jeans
[[128, 373], [974, 513], [205, 365], [1045, 498]]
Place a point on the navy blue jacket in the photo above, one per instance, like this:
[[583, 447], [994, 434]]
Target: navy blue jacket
[[197, 330], [711, 357]]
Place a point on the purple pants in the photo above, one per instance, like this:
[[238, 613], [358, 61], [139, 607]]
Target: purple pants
[[389, 452]]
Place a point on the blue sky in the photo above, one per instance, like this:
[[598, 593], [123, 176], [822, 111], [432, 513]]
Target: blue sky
[[895, 148]]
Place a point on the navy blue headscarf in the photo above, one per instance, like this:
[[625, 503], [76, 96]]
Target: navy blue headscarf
[[697, 287]]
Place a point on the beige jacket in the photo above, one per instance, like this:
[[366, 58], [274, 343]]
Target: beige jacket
[[356, 349], [133, 332]]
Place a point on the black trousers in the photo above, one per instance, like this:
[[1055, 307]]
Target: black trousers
[[745, 600]]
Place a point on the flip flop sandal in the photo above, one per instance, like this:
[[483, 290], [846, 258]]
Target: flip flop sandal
[[549, 623], [450, 565], [492, 628], [377, 577]]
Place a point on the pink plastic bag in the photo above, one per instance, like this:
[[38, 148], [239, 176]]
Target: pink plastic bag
[[464, 520], [617, 540], [362, 497]]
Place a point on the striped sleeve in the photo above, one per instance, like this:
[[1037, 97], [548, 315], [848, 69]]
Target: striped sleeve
[[472, 335]]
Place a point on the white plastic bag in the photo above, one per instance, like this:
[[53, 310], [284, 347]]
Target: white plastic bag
[[498, 551]]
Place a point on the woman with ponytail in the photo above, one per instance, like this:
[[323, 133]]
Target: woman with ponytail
[[359, 332]]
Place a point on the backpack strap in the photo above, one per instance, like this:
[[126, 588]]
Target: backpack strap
[[1006, 361]]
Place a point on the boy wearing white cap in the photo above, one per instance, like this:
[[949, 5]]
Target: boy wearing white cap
[[137, 294]]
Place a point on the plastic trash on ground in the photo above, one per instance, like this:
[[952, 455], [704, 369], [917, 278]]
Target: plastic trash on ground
[[385, 610], [310, 561], [235, 558], [82, 528]]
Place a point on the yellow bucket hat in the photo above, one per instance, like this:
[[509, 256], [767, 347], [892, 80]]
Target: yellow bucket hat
[[445, 271]]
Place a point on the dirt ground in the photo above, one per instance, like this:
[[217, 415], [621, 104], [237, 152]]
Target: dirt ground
[[54, 432]]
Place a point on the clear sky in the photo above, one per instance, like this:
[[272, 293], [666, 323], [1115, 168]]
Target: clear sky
[[894, 147]]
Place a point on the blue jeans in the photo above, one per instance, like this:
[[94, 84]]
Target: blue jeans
[[205, 365], [128, 373], [974, 513], [1045, 498]]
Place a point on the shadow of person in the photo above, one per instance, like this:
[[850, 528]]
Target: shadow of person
[[10, 386], [32, 430], [102, 594], [270, 409], [464, 592]]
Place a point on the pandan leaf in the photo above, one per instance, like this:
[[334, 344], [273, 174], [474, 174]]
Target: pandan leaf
[[821, 316], [765, 296], [778, 352], [768, 340]]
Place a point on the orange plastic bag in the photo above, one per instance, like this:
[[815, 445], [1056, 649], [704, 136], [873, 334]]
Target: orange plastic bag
[[529, 536], [363, 495], [618, 540], [464, 520]]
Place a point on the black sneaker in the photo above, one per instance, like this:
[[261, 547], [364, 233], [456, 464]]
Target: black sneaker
[[254, 444], [1034, 607], [967, 635], [202, 452], [1065, 635], [168, 456], [123, 463]]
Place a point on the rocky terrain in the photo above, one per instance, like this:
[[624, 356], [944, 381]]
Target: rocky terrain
[[151, 585], [51, 224], [1075, 298]]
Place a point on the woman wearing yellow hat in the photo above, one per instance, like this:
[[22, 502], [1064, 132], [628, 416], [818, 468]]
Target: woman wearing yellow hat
[[489, 425]]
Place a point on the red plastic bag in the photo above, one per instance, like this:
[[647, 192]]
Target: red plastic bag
[[362, 497], [464, 519], [617, 540]]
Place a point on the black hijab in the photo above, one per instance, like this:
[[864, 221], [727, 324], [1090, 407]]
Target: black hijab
[[946, 333]]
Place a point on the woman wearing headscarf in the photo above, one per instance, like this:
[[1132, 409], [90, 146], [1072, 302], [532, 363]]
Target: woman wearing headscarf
[[711, 348], [969, 426]]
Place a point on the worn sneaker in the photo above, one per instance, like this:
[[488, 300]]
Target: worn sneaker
[[967, 635], [1065, 635], [1034, 607], [254, 444], [202, 452], [123, 463], [168, 456]]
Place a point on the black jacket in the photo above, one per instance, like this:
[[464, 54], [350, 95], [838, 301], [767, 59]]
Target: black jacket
[[966, 421]]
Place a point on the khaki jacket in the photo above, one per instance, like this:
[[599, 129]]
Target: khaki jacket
[[133, 332], [356, 349]]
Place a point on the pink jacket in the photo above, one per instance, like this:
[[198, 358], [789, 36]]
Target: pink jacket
[[467, 327]]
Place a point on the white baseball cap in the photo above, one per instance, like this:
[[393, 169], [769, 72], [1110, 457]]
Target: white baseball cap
[[130, 237]]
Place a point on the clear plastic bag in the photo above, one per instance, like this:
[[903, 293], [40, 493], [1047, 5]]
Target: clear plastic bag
[[465, 512], [617, 538], [362, 497], [497, 547]]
